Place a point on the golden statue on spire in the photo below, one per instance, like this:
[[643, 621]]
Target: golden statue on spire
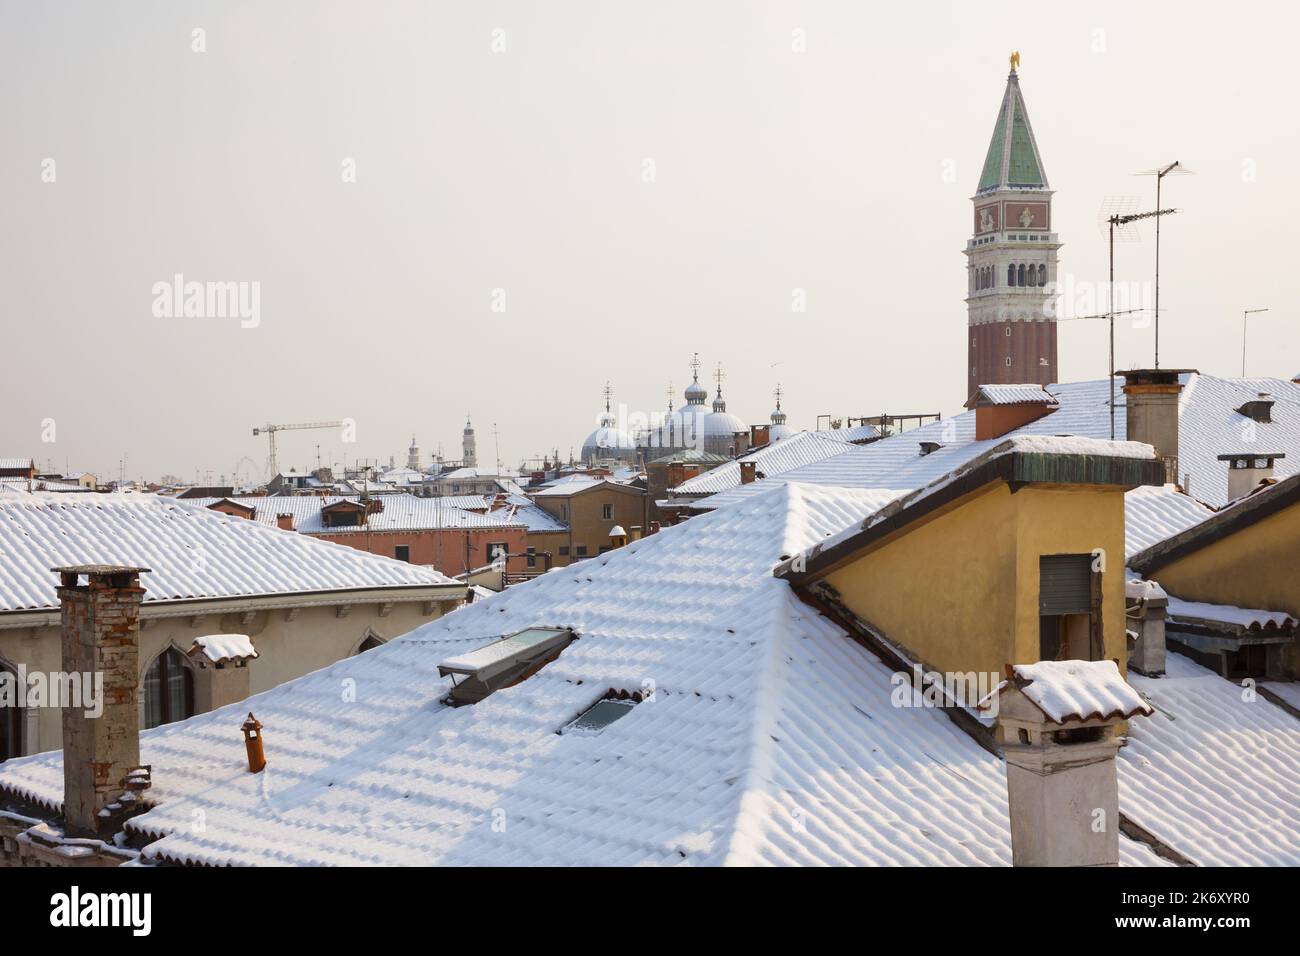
[[1015, 60]]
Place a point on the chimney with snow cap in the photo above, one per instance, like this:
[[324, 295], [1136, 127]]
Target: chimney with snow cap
[[1151, 412], [100, 628], [1000, 409], [1056, 726], [1146, 606]]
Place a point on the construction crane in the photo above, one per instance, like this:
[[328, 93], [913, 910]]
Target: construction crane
[[269, 430]]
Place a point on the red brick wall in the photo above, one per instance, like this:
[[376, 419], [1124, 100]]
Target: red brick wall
[[443, 549], [1028, 343]]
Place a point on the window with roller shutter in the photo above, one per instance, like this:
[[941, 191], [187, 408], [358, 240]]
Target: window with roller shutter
[[1065, 584]]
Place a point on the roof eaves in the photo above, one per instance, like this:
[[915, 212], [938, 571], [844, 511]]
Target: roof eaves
[[1227, 522], [1015, 468]]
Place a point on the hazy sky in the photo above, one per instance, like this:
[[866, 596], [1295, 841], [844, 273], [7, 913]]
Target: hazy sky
[[844, 170]]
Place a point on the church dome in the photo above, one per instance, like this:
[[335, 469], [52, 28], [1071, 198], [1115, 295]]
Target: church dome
[[720, 424], [608, 440], [696, 394]]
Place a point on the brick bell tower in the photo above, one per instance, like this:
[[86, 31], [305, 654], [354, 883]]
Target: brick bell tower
[[1011, 257]]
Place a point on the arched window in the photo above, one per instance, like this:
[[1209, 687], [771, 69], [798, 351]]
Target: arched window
[[1011, 275], [1020, 275], [1042, 273], [168, 689], [11, 724]]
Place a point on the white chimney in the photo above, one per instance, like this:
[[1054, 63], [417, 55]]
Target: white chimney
[[1147, 607], [1246, 470], [1056, 726]]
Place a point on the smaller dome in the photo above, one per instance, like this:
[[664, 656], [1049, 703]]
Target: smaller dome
[[778, 431], [607, 441], [723, 425], [696, 394]]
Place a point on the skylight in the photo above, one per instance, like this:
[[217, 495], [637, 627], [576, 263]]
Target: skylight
[[503, 663], [613, 706], [599, 716]]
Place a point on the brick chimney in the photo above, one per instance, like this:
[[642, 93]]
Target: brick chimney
[[1000, 409], [1247, 470], [1151, 412], [748, 470], [284, 522], [100, 635]]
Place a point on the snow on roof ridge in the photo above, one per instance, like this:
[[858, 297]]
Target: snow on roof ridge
[[1252, 619], [241, 557], [1014, 444]]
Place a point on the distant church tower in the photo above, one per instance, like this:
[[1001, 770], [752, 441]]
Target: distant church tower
[[1011, 258], [469, 459], [413, 456]]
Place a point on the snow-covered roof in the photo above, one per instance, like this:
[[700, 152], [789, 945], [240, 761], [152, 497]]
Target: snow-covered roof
[[1237, 618], [1153, 513], [1209, 425], [467, 474], [1014, 444], [760, 711], [1011, 395], [773, 459], [854, 434], [1213, 772], [192, 552], [401, 512], [520, 510], [219, 648], [574, 485], [1215, 526], [1078, 690], [16, 463], [39, 484]]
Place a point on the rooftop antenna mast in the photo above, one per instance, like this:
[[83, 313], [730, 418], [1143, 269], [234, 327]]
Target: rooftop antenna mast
[[1121, 217], [1160, 173], [1244, 313]]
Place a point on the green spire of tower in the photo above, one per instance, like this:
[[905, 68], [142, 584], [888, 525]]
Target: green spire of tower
[[1013, 159]]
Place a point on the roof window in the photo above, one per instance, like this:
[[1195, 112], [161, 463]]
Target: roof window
[[613, 706], [503, 663]]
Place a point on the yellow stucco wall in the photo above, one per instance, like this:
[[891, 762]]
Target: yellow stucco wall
[[1257, 567], [959, 590]]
